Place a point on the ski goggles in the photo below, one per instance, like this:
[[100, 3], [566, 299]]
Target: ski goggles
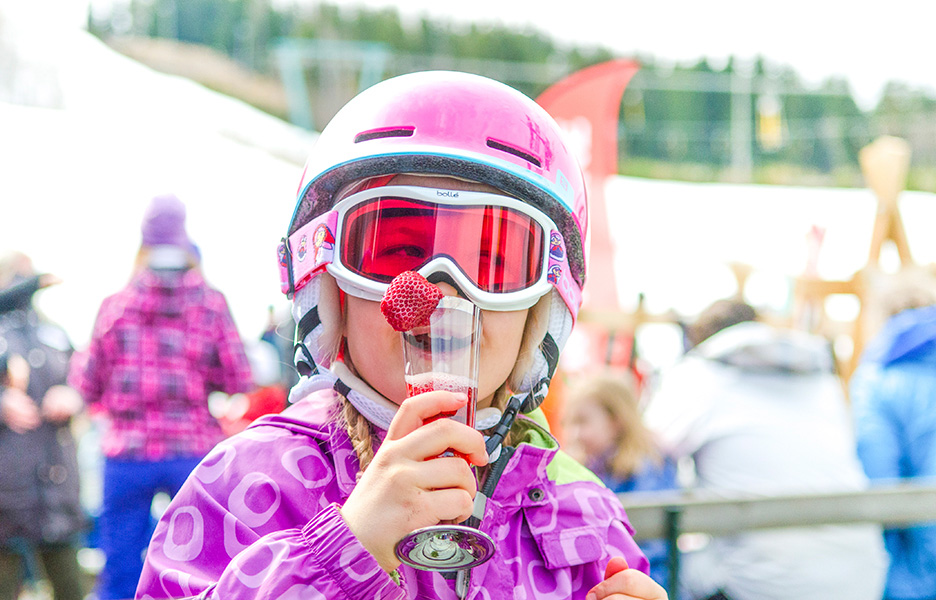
[[502, 253]]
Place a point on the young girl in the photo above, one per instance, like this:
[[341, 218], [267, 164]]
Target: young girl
[[311, 503], [604, 429]]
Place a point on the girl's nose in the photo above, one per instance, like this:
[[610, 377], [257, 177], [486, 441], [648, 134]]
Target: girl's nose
[[446, 283], [448, 289]]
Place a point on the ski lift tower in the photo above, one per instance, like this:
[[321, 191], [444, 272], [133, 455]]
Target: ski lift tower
[[337, 62]]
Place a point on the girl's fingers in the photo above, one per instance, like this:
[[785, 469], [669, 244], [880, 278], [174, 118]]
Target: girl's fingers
[[420, 437], [625, 585], [615, 565], [443, 473], [452, 504], [433, 439], [418, 409]]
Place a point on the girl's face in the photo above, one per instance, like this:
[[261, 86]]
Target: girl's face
[[589, 430], [375, 348], [377, 354]]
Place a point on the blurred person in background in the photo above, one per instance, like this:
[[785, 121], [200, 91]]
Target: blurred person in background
[[893, 394], [20, 293], [41, 519], [158, 348], [278, 333], [761, 412], [604, 430], [268, 395]]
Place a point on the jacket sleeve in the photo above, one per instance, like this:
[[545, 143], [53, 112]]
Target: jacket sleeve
[[895, 432], [877, 431], [236, 534], [88, 368], [19, 294], [232, 374]]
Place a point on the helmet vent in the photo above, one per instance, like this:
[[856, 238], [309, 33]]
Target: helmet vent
[[376, 134], [492, 143]]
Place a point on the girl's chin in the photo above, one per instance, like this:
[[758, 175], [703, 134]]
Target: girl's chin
[[486, 402]]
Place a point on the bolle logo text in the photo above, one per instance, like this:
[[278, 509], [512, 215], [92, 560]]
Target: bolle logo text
[[447, 193]]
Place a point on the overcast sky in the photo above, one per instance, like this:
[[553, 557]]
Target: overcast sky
[[869, 43]]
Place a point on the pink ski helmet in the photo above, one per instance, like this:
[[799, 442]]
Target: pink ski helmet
[[461, 125]]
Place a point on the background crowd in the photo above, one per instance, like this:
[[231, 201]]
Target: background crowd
[[139, 392], [751, 408]]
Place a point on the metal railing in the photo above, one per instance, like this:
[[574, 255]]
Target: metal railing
[[670, 514]]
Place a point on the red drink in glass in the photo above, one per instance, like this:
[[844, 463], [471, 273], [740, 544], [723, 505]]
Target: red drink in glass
[[428, 382]]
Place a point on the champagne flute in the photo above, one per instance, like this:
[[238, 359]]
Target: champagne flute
[[444, 355]]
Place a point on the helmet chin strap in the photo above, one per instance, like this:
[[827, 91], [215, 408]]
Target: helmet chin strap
[[514, 405], [503, 426]]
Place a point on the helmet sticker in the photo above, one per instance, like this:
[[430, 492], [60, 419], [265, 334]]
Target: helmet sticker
[[554, 274], [556, 247], [281, 255], [559, 274], [323, 241]]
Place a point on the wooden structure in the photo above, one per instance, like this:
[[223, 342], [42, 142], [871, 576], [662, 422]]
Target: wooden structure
[[885, 163]]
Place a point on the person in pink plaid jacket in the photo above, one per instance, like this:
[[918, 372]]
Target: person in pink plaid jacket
[[159, 347]]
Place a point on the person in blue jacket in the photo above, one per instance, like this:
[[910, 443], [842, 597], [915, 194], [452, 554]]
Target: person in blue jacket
[[893, 395]]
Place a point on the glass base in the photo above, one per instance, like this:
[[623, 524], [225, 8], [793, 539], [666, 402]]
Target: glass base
[[445, 548]]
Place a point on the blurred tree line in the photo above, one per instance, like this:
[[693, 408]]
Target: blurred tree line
[[737, 121]]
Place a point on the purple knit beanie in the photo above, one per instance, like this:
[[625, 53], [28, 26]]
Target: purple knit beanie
[[164, 223]]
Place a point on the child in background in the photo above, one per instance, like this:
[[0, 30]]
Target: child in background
[[604, 429], [311, 503]]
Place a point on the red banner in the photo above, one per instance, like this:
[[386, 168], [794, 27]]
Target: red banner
[[587, 105]]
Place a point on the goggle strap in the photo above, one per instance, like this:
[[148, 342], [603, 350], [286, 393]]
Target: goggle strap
[[284, 258], [307, 251]]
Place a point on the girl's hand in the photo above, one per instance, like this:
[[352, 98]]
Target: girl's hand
[[622, 583], [406, 487]]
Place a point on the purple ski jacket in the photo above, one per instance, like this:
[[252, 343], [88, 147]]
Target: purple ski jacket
[[259, 518]]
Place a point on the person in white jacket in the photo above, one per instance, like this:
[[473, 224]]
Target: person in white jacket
[[761, 411]]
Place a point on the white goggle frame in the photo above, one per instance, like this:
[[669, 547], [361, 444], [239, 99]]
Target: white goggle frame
[[326, 233]]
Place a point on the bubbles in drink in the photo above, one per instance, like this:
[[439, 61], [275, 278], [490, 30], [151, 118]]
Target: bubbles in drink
[[428, 382]]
